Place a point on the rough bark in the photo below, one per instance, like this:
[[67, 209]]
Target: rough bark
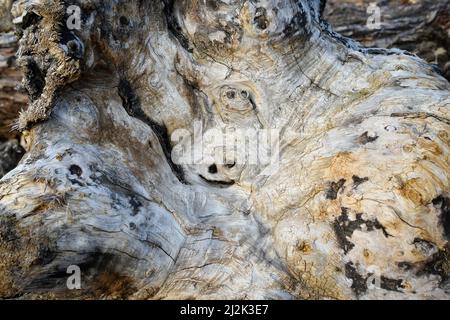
[[11, 99], [418, 26], [360, 189], [5, 15]]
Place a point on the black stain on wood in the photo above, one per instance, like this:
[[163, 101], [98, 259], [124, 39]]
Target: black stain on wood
[[359, 284], [392, 284], [136, 205], [75, 170], [442, 203], [365, 138], [438, 264], [213, 169], [173, 25], [298, 23], [218, 183], [334, 189], [322, 6], [132, 105], [124, 21], [357, 181], [34, 82], [30, 19], [261, 18], [344, 228]]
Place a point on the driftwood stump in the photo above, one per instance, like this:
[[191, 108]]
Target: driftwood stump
[[351, 202]]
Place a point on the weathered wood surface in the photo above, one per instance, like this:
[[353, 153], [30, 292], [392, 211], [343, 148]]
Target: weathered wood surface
[[419, 26], [361, 189]]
